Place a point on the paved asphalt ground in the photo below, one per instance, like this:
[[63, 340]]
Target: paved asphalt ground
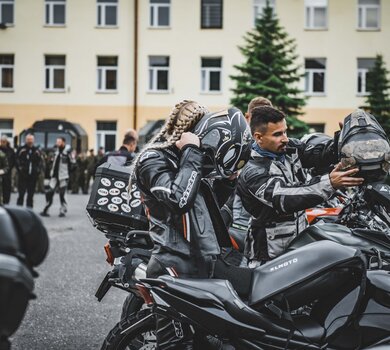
[[66, 314]]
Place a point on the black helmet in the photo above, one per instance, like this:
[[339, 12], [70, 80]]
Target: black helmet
[[316, 138], [315, 142], [226, 140]]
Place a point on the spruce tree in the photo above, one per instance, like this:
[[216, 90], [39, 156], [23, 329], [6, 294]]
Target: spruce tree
[[270, 71], [378, 100]]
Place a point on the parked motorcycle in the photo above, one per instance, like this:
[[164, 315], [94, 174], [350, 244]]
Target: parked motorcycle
[[348, 306]]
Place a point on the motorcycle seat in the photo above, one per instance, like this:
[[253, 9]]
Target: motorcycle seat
[[219, 292]]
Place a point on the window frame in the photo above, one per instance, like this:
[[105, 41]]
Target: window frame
[[364, 9], [309, 74], [154, 7], [309, 24], [7, 2], [103, 133], [206, 82], [363, 72], [103, 6], [49, 13], [50, 69], [8, 131], [153, 73], [202, 26], [258, 9], [102, 70], [7, 66]]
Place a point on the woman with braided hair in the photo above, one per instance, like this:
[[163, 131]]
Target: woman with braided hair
[[170, 173]]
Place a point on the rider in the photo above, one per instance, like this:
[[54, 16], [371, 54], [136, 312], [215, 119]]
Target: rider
[[272, 185], [170, 173]]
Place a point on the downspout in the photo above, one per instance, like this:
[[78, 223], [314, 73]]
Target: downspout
[[135, 85]]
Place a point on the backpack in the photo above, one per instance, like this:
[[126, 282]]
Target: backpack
[[364, 144]]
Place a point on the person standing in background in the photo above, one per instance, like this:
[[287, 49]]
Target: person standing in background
[[28, 164], [7, 183], [91, 164], [3, 171], [59, 177]]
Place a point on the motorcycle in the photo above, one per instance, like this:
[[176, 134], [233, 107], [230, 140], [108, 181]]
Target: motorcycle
[[374, 244], [347, 307]]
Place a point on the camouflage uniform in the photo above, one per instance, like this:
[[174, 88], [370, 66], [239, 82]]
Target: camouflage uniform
[[91, 163], [3, 170], [81, 170]]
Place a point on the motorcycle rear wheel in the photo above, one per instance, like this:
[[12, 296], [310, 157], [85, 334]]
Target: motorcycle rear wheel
[[141, 337]]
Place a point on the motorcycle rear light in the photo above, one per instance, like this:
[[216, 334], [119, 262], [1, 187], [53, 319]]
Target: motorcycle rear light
[[145, 294], [110, 256]]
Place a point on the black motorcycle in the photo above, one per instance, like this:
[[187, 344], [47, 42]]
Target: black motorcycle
[[345, 306]]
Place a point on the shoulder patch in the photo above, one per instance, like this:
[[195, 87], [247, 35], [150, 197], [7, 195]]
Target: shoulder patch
[[148, 155]]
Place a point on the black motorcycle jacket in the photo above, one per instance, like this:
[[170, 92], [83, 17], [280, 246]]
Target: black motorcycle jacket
[[276, 194], [175, 196], [28, 161]]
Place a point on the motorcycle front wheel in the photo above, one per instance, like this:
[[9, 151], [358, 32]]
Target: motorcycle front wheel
[[135, 332]]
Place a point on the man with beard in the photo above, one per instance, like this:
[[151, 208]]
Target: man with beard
[[273, 186], [59, 176]]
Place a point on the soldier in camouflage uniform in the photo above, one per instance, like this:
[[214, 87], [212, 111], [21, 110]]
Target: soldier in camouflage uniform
[[3, 170], [91, 164]]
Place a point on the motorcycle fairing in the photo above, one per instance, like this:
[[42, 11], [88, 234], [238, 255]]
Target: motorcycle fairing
[[312, 267], [356, 238]]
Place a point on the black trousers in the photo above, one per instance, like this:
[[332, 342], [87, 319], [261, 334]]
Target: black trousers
[[26, 183], [7, 187], [172, 334], [62, 187]]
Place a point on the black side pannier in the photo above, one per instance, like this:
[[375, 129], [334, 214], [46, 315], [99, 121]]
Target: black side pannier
[[111, 208], [363, 143], [23, 244]]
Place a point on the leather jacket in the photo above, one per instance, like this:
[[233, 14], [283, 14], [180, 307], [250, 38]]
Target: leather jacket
[[177, 201], [28, 161], [276, 195]]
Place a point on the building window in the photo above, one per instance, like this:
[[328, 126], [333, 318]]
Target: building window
[[7, 11], [160, 13], [364, 66], [315, 69], [106, 135], [107, 73], [211, 74], [55, 72], [107, 13], [7, 129], [316, 14], [211, 14], [369, 14], [6, 72], [55, 12], [259, 6], [158, 73]]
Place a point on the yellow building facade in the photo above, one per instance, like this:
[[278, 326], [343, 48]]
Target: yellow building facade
[[109, 65]]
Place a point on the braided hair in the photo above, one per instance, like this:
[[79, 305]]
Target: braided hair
[[183, 117]]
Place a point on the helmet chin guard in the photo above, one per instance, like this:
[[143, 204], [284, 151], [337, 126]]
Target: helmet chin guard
[[226, 141]]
